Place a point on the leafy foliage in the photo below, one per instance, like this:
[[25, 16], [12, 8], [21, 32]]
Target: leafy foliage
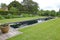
[[4, 7], [15, 4], [48, 13], [1, 17], [31, 6]]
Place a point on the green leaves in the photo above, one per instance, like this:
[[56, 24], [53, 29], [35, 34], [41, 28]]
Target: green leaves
[[13, 9], [16, 5]]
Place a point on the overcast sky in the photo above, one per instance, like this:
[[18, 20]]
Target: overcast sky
[[43, 4]]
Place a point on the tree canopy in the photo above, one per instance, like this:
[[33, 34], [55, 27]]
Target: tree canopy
[[16, 5], [31, 6], [3, 6]]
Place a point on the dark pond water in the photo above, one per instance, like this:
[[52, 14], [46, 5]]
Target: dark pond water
[[29, 22]]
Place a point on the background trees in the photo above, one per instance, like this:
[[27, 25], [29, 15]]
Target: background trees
[[53, 13], [58, 13], [27, 8], [16, 5], [4, 7], [31, 6], [48, 13], [13, 9]]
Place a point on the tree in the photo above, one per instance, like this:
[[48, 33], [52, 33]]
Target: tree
[[13, 9], [3, 6], [40, 12], [15, 4], [58, 13], [47, 13], [53, 13], [31, 6]]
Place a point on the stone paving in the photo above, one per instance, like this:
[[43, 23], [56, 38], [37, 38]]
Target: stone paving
[[12, 32]]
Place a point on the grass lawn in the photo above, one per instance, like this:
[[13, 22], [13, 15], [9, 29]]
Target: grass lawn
[[18, 19], [49, 30]]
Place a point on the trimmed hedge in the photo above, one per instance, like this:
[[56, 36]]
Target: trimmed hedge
[[7, 12], [1, 17], [14, 13], [10, 14]]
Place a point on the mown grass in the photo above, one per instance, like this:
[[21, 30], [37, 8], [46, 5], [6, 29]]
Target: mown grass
[[49, 30], [18, 19]]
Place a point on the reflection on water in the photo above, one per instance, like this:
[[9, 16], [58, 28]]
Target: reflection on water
[[39, 21]]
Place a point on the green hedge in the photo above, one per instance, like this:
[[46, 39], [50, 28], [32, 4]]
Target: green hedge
[[1, 17], [14, 13], [8, 12]]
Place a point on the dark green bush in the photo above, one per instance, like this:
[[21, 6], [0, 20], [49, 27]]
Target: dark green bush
[[11, 14], [1, 17], [16, 16], [8, 16]]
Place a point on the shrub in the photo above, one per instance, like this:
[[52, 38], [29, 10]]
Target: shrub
[[8, 16], [1, 17], [16, 16]]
